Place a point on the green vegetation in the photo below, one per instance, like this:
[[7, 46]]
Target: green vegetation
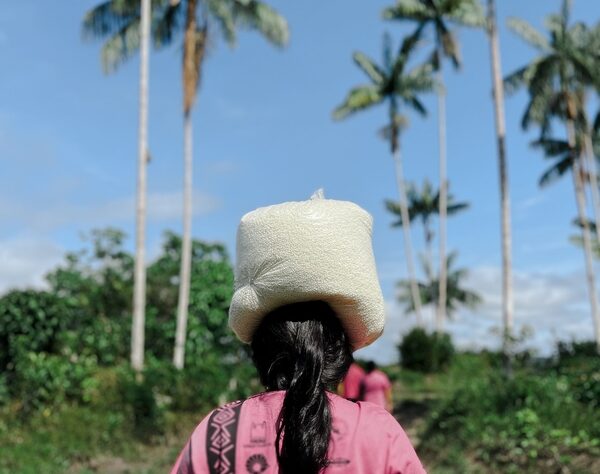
[[471, 418], [423, 352], [70, 402], [67, 392]]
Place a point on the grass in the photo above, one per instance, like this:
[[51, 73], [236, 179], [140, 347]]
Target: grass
[[79, 439]]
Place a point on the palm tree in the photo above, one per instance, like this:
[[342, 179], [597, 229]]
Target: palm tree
[[498, 92], [437, 14], [142, 39], [429, 290], [423, 205], [394, 84], [554, 81], [194, 21]]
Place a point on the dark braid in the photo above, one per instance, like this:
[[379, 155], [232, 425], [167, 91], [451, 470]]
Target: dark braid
[[303, 349]]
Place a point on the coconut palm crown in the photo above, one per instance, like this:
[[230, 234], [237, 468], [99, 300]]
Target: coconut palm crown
[[390, 82], [568, 61], [423, 204], [438, 14], [457, 295], [118, 21]]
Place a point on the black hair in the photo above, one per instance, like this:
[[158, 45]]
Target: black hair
[[370, 366], [303, 349]]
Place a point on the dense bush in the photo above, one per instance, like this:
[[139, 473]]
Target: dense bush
[[47, 380], [513, 425], [425, 352], [576, 351], [31, 321], [53, 343], [579, 363]]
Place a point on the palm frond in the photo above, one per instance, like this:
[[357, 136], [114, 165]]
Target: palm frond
[[121, 46], [222, 15], [416, 105], [419, 79], [577, 240], [521, 77], [552, 147], [359, 98], [578, 222], [408, 46], [263, 18], [529, 33], [468, 13], [412, 10], [167, 24], [451, 48], [455, 208], [555, 172], [108, 18], [369, 67]]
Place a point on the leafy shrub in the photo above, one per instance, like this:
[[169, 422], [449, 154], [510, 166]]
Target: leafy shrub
[[569, 351], [47, 380], [425, 352], [35, 318], [513, 424], [105, 339]]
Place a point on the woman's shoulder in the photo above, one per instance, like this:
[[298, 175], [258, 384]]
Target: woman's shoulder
[[365, 414]]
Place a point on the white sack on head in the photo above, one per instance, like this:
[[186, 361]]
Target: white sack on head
[[312, 250]]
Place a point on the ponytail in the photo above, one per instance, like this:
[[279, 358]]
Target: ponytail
[[302, 348]]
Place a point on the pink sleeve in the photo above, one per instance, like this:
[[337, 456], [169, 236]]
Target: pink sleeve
[[402, 458], [192, 459]]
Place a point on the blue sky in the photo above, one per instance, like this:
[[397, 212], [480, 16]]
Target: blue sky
[[263, 134]]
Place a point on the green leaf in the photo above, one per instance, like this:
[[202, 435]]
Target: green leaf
[[261, 17], [407, 10], [555, 172], [369, 67], [359, 98], [529, 33], [168, 23], [121, 46]]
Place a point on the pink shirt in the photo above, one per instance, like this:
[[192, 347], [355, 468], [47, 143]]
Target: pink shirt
[[365, 440], [352, 382], [374, 386]]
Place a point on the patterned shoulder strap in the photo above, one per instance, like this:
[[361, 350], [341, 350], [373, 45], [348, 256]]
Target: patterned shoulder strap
[[221, 438]]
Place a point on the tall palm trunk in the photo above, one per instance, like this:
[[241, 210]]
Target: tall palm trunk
[[192, 57], [498, 90], [441, 309], [428, 241], [593, 176], [585, 232], [414, 289], [139, 278], [186, 247]]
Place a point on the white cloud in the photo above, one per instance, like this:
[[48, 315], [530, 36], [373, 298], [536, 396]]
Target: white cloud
[[25, 261], [531, 202], [554, 306]]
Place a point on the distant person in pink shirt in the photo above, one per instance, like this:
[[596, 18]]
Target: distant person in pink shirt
[[376, 387], [352, 381], [306, 296]]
